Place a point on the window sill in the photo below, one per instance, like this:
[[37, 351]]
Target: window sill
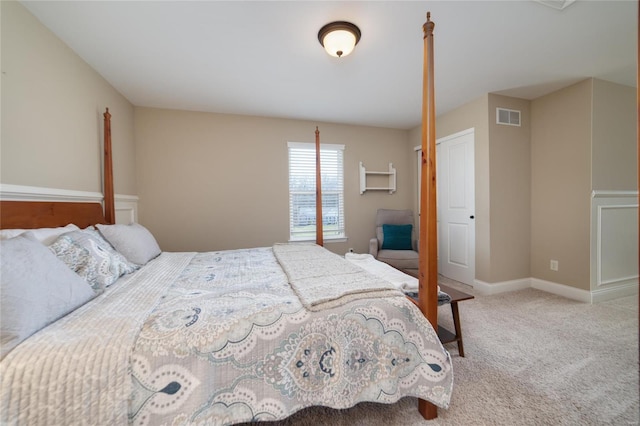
[[326, 240]]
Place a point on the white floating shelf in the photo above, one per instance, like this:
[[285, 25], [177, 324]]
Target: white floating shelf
[[363, 179]]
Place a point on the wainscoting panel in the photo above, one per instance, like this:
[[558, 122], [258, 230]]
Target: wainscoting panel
[[126, 209], [614, 241]]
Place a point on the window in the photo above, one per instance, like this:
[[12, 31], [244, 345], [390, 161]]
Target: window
[[302, 191]]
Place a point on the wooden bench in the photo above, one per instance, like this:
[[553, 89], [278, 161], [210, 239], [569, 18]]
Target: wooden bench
[[445, 335]]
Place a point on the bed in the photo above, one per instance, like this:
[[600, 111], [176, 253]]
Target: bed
[[222, 338], [149, 337]]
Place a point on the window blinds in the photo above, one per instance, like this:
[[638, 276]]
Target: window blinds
[[302, 190]]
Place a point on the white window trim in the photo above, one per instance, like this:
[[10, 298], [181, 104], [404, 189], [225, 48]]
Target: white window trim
[[305, 145]]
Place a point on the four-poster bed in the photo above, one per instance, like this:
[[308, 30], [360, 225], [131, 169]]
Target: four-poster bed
[[319, 224], [428, 243], [229, 336]]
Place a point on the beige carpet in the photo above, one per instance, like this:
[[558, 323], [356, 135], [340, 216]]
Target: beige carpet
[[532, 358]]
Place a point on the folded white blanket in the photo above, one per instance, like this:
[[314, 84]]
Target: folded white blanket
[[323, 280], [399, 279]]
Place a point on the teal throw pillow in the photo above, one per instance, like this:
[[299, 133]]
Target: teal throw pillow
[[396, 237]]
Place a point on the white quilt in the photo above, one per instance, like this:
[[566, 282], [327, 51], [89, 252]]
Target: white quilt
[[218, 338], [85, 376]]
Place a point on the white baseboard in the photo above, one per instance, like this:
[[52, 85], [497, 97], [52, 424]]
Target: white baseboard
[[487, 289], [599, 295], [614, 292], [562, 290]]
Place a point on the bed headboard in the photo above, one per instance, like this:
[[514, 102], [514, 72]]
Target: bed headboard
[[48, 214]]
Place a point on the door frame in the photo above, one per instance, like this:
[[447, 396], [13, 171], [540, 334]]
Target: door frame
[[418, 150]]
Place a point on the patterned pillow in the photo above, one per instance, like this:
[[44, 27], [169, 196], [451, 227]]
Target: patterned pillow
[[91, 257]]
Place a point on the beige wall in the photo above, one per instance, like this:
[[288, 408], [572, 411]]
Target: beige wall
[[561, 185], [583, 139], [510, 177], [215, 181], [614, 159], [52, 106], [473, 115], [502, 184], [534, 182]]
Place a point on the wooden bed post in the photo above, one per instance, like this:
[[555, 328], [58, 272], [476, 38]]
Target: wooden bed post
[[109, 203], [319, 230], [428, 263]]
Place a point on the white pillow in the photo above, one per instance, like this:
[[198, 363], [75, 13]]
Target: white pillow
[[45, 235], [133, 241], [5, 234], [36, 289], [91, 257]]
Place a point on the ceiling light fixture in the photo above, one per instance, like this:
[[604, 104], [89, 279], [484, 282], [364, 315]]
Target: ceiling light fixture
[[339, 38]]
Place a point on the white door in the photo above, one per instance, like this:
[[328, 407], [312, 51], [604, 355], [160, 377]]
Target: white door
[[456, 206]]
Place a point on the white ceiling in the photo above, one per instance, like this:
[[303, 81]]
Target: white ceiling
[[263, 58]]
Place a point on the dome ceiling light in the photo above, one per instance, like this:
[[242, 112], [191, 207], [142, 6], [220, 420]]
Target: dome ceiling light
[[339, 38]]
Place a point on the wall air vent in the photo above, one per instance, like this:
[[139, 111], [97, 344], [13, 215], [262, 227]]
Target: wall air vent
[[509, 117]]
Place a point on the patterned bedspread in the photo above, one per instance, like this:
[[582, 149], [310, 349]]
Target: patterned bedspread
[[221, 338]]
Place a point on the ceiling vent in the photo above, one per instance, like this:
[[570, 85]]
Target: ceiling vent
[[509, 117]]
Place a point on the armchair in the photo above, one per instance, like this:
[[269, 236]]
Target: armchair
[[394, 243]]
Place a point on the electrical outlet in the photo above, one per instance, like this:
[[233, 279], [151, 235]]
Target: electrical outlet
[[553, 265]]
